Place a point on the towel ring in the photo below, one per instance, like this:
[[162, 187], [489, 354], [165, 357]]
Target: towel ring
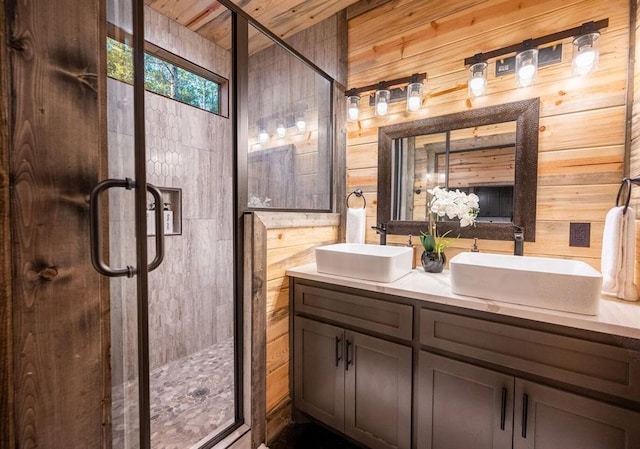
[[358, 193], [625, 182]]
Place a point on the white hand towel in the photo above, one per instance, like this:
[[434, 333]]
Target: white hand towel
[[356, 225], [618, 254]]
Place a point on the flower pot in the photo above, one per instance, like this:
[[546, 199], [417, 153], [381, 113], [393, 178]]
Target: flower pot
[[433, 262]]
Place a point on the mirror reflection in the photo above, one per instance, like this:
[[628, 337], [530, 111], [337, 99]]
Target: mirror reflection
[[478, 160]]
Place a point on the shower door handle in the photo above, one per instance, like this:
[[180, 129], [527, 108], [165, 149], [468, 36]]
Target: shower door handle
[[97, 259], [157, 196]]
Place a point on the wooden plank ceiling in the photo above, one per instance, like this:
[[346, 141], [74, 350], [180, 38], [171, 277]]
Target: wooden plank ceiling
[[283, 17]]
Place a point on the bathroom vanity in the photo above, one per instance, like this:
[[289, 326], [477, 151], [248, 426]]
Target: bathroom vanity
[[408, 365]]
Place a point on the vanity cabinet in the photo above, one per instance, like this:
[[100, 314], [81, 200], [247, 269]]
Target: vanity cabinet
[[358, 384], [394, 372], [463, 405]]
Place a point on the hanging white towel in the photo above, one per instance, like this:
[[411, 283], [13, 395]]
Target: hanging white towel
[[618, 254], [356, 225]]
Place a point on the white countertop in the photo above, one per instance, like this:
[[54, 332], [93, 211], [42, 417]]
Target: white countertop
[[615, 317]]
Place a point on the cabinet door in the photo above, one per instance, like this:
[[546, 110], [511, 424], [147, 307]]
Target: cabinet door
[[546, 418], [462, 405], [318, 371], [377, 392]]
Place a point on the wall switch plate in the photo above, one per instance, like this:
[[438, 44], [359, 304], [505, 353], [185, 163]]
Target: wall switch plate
[[580, 234]]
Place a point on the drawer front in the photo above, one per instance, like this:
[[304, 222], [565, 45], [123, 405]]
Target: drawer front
[[596, 366], [371, 314]]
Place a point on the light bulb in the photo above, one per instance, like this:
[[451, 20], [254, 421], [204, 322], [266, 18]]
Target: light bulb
[[525, 74], [413, 104], [281, 131], [353, 102], [263, 137], [478, 86], [301, 125], [382, 98], [382, 107], [414, 94]]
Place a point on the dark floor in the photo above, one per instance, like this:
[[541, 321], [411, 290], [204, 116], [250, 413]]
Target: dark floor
[[309, 436]]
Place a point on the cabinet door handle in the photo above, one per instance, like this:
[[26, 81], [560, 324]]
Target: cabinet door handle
[[503, 409], [338, 356], [348, 356], [525, 407]]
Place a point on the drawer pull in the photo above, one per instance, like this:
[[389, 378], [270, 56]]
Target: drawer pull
[[338, 356], [525, 407], [503, 409]]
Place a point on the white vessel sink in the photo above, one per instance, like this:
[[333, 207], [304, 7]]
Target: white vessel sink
[[557, 284], [363, 261]]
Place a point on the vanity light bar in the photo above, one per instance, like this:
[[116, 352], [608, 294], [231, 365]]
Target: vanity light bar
[[587, 27]]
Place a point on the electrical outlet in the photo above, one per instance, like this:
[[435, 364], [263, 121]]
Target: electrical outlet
[[580, 234]]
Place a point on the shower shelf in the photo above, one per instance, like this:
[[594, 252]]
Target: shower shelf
[[171, 198]]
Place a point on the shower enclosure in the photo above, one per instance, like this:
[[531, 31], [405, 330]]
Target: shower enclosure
[[173, 346]]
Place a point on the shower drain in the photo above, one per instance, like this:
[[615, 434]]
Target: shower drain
[[199, 392]]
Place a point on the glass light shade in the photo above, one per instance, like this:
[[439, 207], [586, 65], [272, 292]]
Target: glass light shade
[[263, 137], [585, 54], [382, 102], [478, 79], [281, 131], [353, 104], [414, 96], [527, 67], [301, 124]]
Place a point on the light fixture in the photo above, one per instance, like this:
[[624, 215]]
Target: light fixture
[[414, 93], [585, 53], [526, 67], [530, 54], [301, 124], [478, 79], [383, 96], [353, 105], [281, 130], [263, 136]]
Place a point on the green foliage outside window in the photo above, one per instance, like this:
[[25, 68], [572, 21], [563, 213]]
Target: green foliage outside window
[[163, 78]]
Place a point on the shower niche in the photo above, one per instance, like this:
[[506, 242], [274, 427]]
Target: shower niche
[[171, 212]]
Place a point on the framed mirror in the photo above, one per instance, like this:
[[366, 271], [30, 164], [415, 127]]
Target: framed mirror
[[492, 152]]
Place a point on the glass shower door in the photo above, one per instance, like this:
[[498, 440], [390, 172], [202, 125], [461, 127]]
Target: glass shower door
[[172, 329]]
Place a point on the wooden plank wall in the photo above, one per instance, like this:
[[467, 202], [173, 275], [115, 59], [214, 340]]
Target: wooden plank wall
[[57, 144], [290, 241], [6, 337], [634, 159], [582, 120]]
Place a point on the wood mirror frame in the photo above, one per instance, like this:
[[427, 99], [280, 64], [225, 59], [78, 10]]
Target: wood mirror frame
[[525, 113]]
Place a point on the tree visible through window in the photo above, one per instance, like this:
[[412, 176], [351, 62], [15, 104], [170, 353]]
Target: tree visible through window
[[163, 77]]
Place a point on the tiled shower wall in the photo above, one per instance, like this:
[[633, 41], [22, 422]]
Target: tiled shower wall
[[191, 293]]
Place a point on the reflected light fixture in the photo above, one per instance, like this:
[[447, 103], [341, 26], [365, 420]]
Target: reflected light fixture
[[353, 105], [281, 131], [414, 93], [301, 124], [382, 98], [585, 53], [526, 67], [478, 79], [263, 136]]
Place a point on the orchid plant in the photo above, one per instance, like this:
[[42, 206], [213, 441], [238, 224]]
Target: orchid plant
[[453, 205]]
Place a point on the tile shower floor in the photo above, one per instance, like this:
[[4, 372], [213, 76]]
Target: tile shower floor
[[191, 400]]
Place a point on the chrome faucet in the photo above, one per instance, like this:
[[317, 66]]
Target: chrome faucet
[[381, 229], [518, 241]]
